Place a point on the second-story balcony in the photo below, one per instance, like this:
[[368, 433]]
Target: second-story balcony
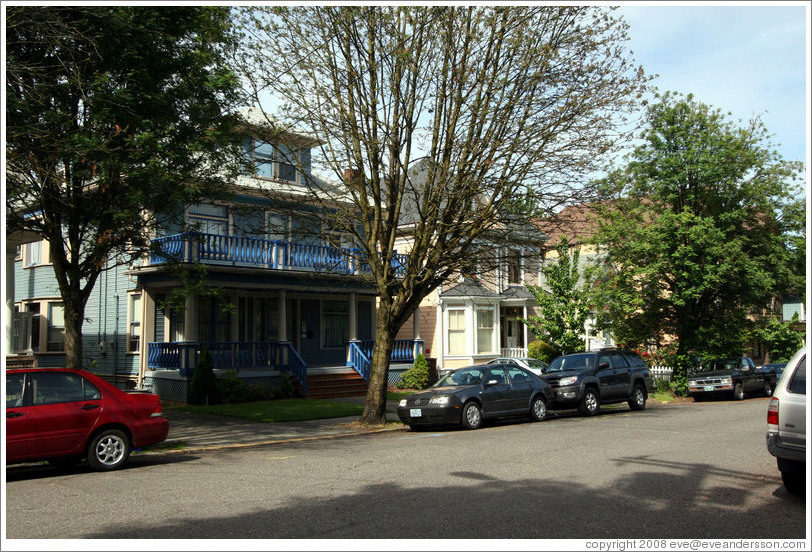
[[190, 247]]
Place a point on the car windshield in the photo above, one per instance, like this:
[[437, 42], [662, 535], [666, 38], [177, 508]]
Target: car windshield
[[720, 364], [534, 363], [571, 362], [463, 376]]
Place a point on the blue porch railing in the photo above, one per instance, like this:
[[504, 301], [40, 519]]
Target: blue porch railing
[[360, 361], [256, 252], [183, 356], [403, 350]]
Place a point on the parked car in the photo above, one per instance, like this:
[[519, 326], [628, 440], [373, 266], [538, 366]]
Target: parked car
[[732, 376], [775, 367], [62, 416], [533, 364], [587, 380], [468, 396], [786, 424]]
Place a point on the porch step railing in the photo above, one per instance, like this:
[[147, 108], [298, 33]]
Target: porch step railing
[[360, 361]]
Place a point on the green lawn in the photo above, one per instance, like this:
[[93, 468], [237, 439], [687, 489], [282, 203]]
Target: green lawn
[[283, 410], [287, 410]]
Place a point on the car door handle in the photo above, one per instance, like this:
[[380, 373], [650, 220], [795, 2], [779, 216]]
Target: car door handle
[[89, 406], [14, 414]]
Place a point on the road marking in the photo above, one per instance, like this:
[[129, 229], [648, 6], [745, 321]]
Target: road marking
[[280, 457], [424, 436]]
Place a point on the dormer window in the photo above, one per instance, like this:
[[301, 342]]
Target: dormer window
[[273, 161]]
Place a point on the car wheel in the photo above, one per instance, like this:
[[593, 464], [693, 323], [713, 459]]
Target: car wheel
[[471, 415], [538, 410], [738, 392], [590, 403], [108, 450], [768, 389], [638, 399], [794, 482]]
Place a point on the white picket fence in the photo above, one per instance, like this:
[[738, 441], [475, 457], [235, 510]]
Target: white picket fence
[[660, 372]]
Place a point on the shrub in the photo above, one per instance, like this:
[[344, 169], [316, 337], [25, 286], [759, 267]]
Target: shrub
[[286, 388], [416, 377], [543, 351], [203, 385], [232, 389]]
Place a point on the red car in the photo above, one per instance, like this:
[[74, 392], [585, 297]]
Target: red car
[[62, 415]]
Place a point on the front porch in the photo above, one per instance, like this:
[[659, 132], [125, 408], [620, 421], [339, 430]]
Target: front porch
[[171, 365]]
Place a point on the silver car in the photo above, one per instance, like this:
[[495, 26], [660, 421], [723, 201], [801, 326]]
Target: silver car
[[786, 424], [534, 365]]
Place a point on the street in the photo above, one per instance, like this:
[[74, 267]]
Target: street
[[687, 471]]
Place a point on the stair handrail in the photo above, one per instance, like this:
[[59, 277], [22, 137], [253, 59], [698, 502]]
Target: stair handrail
[[359, 361]]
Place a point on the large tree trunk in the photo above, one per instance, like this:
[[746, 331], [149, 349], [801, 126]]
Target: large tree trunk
[[375, 406], [74, 315]]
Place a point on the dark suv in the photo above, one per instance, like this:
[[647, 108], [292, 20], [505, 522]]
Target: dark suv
[[587, 380]]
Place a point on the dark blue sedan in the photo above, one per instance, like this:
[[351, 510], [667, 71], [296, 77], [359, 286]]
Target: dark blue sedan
[[468, 396]]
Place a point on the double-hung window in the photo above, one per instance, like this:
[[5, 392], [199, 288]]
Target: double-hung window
[[484, 330], [56, 327], [134, 334], [456, 332]]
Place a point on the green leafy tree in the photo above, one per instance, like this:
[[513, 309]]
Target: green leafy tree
[[696, 227], [437, 119], [564, 307], [780, 339], [113, 114]]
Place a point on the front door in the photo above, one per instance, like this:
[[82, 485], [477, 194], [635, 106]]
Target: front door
[[512, 333]]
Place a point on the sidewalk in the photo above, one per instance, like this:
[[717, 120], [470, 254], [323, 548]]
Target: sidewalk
[[195, 432]]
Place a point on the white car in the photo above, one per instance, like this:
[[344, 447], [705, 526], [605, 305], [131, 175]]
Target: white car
[[786, 424]]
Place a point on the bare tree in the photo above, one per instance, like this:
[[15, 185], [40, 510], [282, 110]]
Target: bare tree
[[445, 124]]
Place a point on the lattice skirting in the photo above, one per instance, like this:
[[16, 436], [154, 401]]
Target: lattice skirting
[[174, 389]]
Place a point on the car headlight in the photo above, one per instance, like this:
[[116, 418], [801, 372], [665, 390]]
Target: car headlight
[[727, 381], [691, 383], [568, 381], [402, 402], [442, 400]]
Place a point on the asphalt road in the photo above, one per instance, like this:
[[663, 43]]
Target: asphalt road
[[698, 471]]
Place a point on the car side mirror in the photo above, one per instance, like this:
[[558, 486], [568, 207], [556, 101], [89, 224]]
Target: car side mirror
[[491, 382], [603, 366]]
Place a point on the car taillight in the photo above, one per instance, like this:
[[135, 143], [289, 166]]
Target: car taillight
[[772, 413], [158, 412]]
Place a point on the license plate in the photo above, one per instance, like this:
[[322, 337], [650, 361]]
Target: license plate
[[415, 412], [708, 388]]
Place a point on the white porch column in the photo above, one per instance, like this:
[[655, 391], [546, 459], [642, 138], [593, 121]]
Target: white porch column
[[524, 328]]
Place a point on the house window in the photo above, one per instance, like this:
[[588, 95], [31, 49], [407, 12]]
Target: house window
[[335, 320], [514, 267], [484, 330], [56, 327], [272, 161], [33, 254], [285, 163], [134, 335], [456, 332]]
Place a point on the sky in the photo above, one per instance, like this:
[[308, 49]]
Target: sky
[[749, 59]]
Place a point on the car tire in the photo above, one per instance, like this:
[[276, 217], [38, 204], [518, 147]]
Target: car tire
[[590, 403], [794, 482], [108, 450], [768, 389], [738, 392], [538, 409], [638, 398], [471, 415]]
